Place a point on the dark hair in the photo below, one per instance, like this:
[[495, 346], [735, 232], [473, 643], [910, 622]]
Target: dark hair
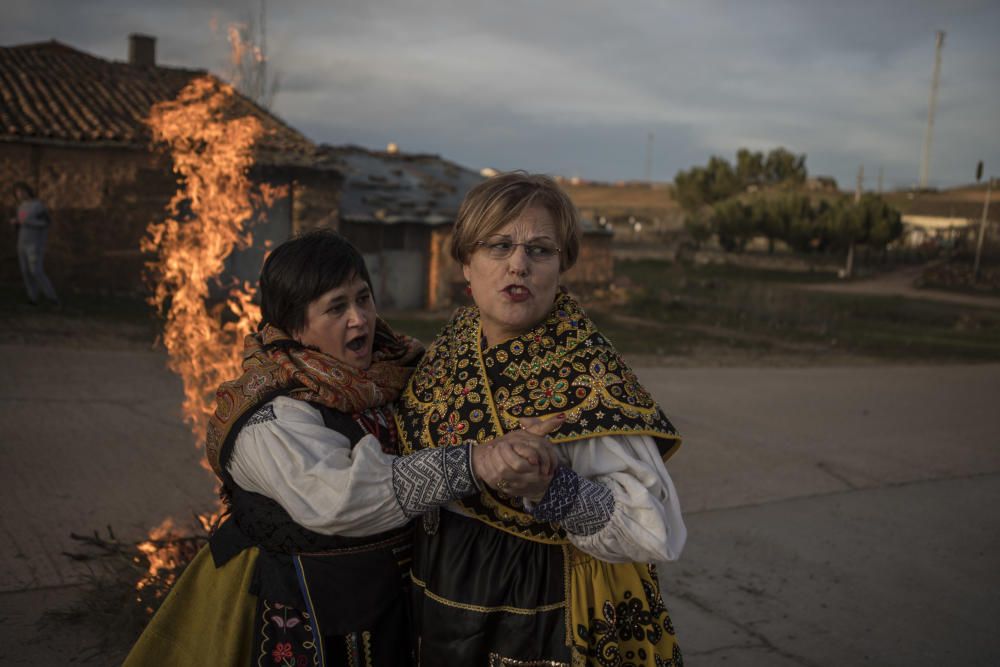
[[301, 270], [21, 185]]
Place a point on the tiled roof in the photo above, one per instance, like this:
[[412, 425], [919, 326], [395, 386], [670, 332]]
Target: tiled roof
[[51, 92]]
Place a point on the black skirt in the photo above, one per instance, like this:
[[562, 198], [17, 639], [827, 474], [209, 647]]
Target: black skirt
[[484, 597]]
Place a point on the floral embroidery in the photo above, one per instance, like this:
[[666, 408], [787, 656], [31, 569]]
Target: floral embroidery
[[617, 636], [467, 391], [281, 651], [550, 392], [452, 430]]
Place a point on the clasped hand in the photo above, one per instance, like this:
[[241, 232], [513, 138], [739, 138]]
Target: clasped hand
[[519, 463]]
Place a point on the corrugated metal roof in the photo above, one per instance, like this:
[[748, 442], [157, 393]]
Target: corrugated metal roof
[[393, 188]]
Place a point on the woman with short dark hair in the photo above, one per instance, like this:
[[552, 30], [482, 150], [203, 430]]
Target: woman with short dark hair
[[32, 223], [309, 567]]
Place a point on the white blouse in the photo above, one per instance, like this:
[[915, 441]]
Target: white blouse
[[323, 483], [646, 525], [329, 487]]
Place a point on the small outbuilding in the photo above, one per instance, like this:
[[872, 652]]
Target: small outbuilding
[[399, 210]]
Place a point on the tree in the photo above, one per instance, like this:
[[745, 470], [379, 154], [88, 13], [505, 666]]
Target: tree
[[884, 224], [690, 188], [698, 228], [705, 185], [733, 223], [749, 167], [722, 181], [782, 165], [718, 180], [774, 217]]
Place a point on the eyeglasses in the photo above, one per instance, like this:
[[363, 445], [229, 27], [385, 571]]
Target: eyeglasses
[[501, 249]]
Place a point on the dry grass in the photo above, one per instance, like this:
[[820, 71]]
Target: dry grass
[[614, 201]]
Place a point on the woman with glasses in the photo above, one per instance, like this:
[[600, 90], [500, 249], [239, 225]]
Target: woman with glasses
[[563, 572]]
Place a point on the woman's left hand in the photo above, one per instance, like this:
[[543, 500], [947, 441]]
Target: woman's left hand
[[522, 463]]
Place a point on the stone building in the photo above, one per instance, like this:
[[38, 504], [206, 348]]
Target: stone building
[[948, 222], [73, 126]]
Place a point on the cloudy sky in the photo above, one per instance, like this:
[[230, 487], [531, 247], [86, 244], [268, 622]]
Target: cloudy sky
[[574, 87]]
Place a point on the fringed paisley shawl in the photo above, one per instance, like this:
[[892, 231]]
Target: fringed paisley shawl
[[274, 364]]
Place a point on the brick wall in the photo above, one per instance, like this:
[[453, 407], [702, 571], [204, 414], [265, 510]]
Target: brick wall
[[100, 200], [595, 266]]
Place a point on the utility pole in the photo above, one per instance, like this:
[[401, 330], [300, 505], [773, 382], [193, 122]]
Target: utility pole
[[649, 158], [982, 230], [849, 269], [925, 161]]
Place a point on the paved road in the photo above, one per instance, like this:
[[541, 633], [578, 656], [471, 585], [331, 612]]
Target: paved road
[[836, 515]]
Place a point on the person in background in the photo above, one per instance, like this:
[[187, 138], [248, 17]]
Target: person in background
[[32, 223]]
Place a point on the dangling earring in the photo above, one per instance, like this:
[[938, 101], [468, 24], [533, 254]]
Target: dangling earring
[[468, 289]]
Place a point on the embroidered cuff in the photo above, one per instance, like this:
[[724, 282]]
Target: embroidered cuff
[[469, 444], [432, 477], [580, 505]]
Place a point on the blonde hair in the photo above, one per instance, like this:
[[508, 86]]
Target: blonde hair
[[498, 200]]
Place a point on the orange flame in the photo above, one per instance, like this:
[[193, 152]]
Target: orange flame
[[208, 218], [160, 560]]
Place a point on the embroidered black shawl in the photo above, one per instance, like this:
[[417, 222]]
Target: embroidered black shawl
[[463, 390]]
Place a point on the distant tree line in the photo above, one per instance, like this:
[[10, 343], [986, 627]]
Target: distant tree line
[[759, 197], [718, 180]]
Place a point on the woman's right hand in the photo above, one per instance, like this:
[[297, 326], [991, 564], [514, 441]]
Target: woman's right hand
[[519, 463]]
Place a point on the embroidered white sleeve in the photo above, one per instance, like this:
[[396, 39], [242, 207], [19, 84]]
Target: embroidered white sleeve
[[430, 478], [646, 524], [312, 471]]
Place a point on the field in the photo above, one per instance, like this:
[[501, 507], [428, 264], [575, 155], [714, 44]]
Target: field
[[678, 314], [615, 202]]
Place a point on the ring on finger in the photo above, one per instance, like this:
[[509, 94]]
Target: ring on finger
[[503, 484]]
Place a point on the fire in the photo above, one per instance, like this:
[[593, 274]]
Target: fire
[[161, 561], [208, 218]]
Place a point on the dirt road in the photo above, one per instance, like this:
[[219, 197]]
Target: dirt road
[[901, 283]]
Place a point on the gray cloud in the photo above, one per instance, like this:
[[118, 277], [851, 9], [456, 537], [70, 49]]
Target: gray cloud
[[574, 86]]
